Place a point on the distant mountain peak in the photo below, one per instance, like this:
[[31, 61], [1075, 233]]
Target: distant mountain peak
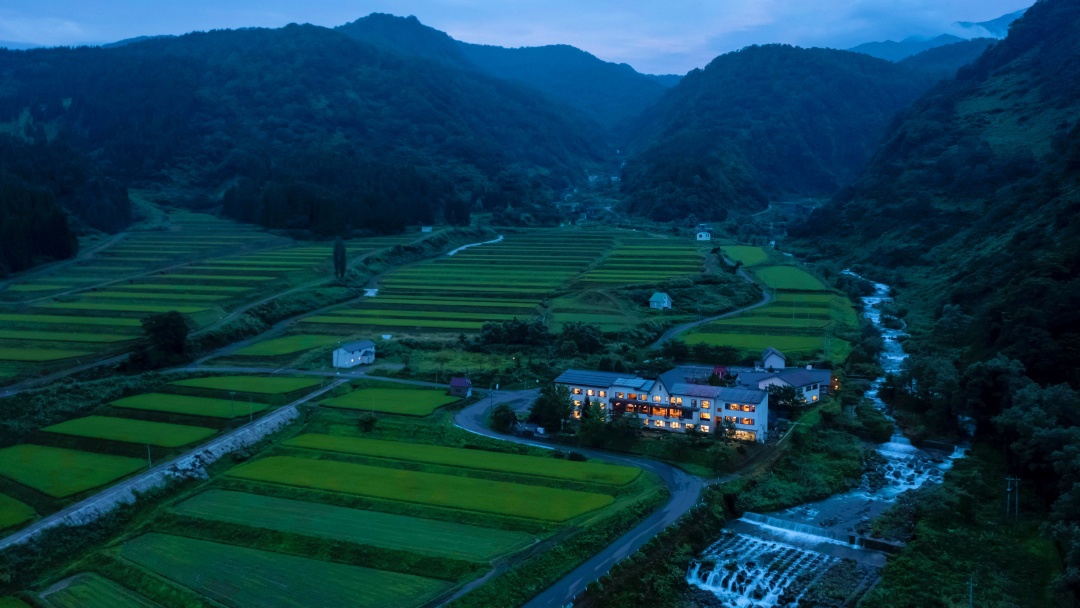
[[994, 28]]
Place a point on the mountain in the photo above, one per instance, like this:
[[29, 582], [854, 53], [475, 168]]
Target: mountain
[[943, 61], [611, 94], [764, 123], [127, 41], [997, 28], [304, 127], [976, 191], [405, 36], [895, 51]]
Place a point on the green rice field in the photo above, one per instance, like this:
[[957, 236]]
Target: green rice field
[[191, 406], [425, 536], [132, 431], [63, 320], [54, 336], [262, 385], [404, 401], [451, 491], [13, 512], [111, 307], [92, 591], [240, 576], [287, 345], [788, 278], [588, 472], [11, 353], [60, 472], [646, 259], [749, 256]]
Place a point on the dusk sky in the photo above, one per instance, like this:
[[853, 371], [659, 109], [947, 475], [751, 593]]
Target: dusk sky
[[657, 36]]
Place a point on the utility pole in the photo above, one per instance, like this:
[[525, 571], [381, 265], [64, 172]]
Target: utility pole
[[1012, 497]]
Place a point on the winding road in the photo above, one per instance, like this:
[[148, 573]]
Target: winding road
[[679, 329]]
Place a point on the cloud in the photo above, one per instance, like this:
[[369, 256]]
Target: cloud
[[46, 31]]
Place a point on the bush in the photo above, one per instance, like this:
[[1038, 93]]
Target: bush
[[576, 457]]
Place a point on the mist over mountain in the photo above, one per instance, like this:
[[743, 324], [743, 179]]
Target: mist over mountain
[[895, 51], [765, 123], [997, 28], [980, 183]]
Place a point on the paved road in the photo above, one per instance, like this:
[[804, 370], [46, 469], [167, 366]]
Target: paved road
[[679, 329], [123, 491], [685, 492]]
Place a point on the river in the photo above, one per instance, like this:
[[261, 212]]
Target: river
[[815, 554]]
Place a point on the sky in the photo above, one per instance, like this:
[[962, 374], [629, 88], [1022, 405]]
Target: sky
[[654, 36]]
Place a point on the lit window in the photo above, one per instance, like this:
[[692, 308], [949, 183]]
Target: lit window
[[577, 402], [689, 427], [674, 425], [577, 391], [577, 414], [746, 435], [815, 397], [633, 395], [731, 419], [748, 408], [658, 423], [678, 400], [746, 421], [706, 416], [656, 398], [732, 406], [590, 392], [704, 428], [603, 393], [704, 405]]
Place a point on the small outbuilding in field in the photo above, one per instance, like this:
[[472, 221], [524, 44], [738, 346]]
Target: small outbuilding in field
[[660, 301], [460, 387], [704, 235], [352, 354]]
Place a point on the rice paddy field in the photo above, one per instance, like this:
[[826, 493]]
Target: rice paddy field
[[646, 259], [404, 401], [93, 591], [59, 472], [803, 318], [202, 267]]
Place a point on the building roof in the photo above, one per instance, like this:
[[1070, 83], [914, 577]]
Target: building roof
[[658, 296], [640, 384], [793, 376], [460, 381], [686, 373], [772, 351], [719, 393], [588, 378], [359, 345]]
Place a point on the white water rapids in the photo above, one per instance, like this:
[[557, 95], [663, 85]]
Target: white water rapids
[[766, 561]]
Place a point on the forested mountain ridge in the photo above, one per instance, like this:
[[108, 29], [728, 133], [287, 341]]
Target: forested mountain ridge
[[942, 62], [971, 209], [609, 93], [312, 128], [766, 122]]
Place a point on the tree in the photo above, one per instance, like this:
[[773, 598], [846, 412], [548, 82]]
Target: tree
[[339, 258], [784, 398], [167, 333], [727, 430], [503, 418], [593, 430], [552, 408]]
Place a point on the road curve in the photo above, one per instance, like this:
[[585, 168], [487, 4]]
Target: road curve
[[678, 329], [685, 491]]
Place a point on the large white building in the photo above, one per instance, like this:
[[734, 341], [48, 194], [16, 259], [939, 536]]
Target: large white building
[[680, 400]]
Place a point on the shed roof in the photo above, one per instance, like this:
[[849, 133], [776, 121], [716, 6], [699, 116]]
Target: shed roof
[[460, 381], [772, 351], [357, 346], [659, 296]]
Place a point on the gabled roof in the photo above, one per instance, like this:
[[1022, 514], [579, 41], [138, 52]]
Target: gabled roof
[[459, 381], [686, 373], [719, 393], [792, 376], [772, 351], [640, 384], [584, 377], [357, 346], [659, 295]]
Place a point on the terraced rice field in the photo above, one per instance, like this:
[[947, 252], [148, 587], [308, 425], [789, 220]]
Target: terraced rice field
[[644, 259], [60, 472], [588, 472], [286, 345], [788, 278], [13, 512], [407, 402], [459, 293], [749, 256], [451, 491], [15, 353], [423, 536], [51, 336], [239, 576], [191, 406], [262, 385], [93, 591], [132, 431]]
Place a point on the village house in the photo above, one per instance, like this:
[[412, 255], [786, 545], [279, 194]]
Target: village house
[[460, 387], [679, 400], [660, 301], [772, 370], [704, 233], [352, 354]]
